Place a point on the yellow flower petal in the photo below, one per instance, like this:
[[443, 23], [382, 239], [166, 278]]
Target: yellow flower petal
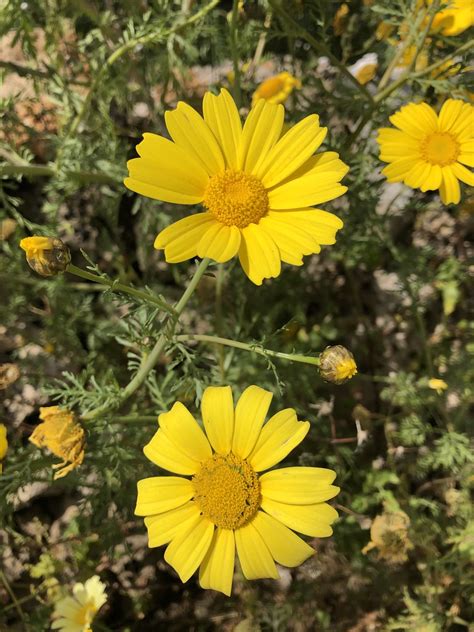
[[180, 240], [450, 190], [279, 436], [222, 117], [293, 242], [250, 414], [463, 127], [217, 408], [162, 493], [168, 455], [433, 180], [320, 225], [313, 520], [418, 174], [261, 131], [396, 171], [189, 131], [449, 113], [187, 550], [291, 151], [183, 430], [162, 528], [306, 191], [462, 173], [299, 485], [285, 547], [416, 119], [170, 173], [219, 242], [217, 568], [259, 255], [255, 558]]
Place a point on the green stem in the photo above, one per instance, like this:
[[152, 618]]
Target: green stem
[[293, 357], [235, 54], [114, 286], [135, 419], [149, 361], [321, 48]]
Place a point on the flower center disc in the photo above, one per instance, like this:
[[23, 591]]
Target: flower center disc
[[227, 491], [440, 148], [236, 198]]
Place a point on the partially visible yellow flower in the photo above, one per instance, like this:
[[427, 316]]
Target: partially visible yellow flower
[[276, 89], [384, 30], [365, 68], [62, 435], [437, 385], [337, 364], [389, 534], [46, 255], [339, 22], [75, 614], [455, 19], [9, 373], [3, 444], [428, 151], [228, 505], [256, 184]]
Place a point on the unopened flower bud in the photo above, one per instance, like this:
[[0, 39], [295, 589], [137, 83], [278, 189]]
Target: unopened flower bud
[[46, 255], [337, 364]]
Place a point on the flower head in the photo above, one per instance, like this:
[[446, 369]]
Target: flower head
[[276, 89], [437, 385], [365, 68], [455, 18], [337, 364], [75, 614], [429, 151], [62, 435], [228, 505], [341, 18], [46, 255], [3, 444], [257, 187], [389, 534]]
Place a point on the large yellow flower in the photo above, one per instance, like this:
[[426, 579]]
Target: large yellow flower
[[429, 151], [227, 505], [455, 18], [256, 185]]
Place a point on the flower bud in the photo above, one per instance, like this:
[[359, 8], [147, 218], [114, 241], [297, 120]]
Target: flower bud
[[337, 364], [63, 435], [46, 255]]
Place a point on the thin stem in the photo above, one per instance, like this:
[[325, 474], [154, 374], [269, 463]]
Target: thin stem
[[235, 54], [149, 361], [293, 357], [321, 48], [114, 286], [135, 419], [34, 171], [9, 590]]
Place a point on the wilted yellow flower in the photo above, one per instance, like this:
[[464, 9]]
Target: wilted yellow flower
[[365, 68], [389, 534], [384, 30], [3, 444], [256, 183], [229, 505], [437, 385], [429, 151], [340, 19], [455, 18], [276, 89], [75, 614], [62, 435], [46, 255], [337, 364], [9, 373]]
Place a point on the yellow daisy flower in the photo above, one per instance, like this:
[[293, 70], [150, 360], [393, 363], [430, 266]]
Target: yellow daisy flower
[[429, 151], [365, 68], [455, 18], [276, 89], [75, 614], [257, 187], [227, 505]]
